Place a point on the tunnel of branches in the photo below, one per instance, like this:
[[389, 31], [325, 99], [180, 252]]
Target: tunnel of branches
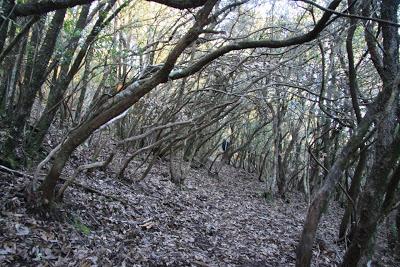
[[303, 94]]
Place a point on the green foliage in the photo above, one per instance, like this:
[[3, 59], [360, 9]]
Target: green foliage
[[69, 26], [393, 229], [9, 162], [325, 207], [81, 227], [267, 195]]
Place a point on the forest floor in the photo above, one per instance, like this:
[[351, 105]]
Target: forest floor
[[208, 222]]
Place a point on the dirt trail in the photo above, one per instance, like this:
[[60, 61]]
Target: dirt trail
[[210, 222]]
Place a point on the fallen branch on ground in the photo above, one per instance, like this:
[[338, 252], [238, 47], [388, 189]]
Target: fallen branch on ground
[[86, 188]]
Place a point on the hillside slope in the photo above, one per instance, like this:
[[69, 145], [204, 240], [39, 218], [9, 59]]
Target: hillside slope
[[209, 222]]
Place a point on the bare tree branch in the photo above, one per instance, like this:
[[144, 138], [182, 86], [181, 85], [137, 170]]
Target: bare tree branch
[[180, 4], [42, 7], [341, 14], [301, 39]]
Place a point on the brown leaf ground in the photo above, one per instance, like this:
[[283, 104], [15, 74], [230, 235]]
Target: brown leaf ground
[[209, 222]]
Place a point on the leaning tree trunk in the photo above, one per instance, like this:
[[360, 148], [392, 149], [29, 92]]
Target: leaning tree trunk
[[126, 98], [118, 104], [398, 229], [304, 249], [67, 73], [353, 85], [384, 100], [353, 193], [7, 71], [386, 147], [387, 153], [28, 92], [85, 81], [6, 7], [390, 195]]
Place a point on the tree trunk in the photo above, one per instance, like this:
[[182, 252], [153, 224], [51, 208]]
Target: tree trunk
[[85, 81], [304, 249], [386, 147], [398, 229], [67, 73], [391, 190], [387, 153], [36, 80], [385, 99], [6, 8], [118, 104], [353, 85], [8, 66], [353, 193]]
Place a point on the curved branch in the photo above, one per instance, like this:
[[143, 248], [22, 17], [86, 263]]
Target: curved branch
[[301, 39], [17, 38], [45, 6], [351, 15], [180, 4]]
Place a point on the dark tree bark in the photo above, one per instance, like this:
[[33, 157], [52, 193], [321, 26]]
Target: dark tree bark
[[353, 192], [6, 75], [181, 4], [391, 190], [118, 104], [85, 81], [387, 153], [376, 112], [36, 79], [398, 226], [57, 89], [18, 37], [45, 6], [15, 73], [126, 98], [6, 8], [353, 86], [39, 69], [386, 147], [304, 249]]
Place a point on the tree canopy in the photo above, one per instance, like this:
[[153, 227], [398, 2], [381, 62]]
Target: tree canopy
[[304, 94]]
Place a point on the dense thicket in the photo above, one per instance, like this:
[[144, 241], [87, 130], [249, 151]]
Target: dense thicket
[[304, 94]]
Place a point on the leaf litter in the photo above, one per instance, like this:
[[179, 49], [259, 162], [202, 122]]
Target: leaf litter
[[209, 222]]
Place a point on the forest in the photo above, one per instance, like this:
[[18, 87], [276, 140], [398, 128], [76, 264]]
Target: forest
[[199, 133]]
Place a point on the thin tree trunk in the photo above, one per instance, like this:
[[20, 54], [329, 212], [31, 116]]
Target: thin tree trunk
[[385, 100], [387, 146], [67, 73], [5, 19], [353, 193], [85, 81], [7, 67], [304, 248], [118, 104], [398, 228], [390, 195], [37, 79], [353, 85], [387, 153]]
